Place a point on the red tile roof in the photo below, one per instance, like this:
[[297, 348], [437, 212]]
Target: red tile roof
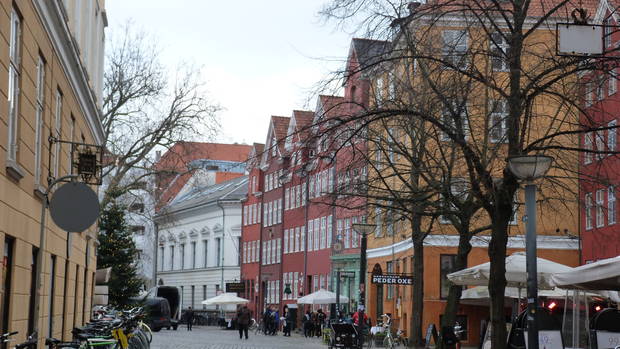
[[173, 165]]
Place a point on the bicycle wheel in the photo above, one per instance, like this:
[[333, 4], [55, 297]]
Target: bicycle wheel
[[145, 341], [147, 332], [369, 340], [388, 342]]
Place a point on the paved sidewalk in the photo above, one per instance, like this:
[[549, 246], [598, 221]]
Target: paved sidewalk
[[214, 338]]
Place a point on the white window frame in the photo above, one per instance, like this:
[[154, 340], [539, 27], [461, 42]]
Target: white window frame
[[328, 231], [501, 116], [286, 236], [612, 137], [57, 132], [611, 205], [588, 209], [599, 138], [600, 215], [14, 82], [454, 49], [317, 233], [40, 107], [310, 235], [302, 239], [588, 146], [498, 46], [612, 84]]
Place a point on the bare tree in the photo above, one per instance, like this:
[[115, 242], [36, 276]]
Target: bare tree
[[497, 61], [146, 108]]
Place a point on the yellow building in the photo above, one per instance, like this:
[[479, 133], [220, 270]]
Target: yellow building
[[461, 104], [51, 68]]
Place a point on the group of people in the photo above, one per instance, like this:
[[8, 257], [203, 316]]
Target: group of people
[[272, 321], [314, 322]]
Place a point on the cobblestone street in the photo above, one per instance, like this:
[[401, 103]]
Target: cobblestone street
[[214, 338]]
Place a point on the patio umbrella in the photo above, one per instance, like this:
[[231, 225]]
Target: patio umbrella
[[321, 296], [601, 275], [516, 275], [225, 298]]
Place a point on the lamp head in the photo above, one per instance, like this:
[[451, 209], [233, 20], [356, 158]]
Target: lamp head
[[529, 167], [364, 228]]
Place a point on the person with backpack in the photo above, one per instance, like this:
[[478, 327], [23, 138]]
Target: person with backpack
[[244, 317]]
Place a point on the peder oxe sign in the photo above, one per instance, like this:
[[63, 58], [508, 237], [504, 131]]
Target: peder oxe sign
[[392, 279]]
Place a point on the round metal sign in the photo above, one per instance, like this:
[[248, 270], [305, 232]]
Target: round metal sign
[[338, 246], [74, 207]]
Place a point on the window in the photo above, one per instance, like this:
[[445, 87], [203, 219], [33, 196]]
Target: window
[[182, 256], [297, 196], [608, 30], [379, 224], [317, 233], [279, 250], [588, 206], [600, 87], [514, 220], [354, 235], [329, 231], [287, 198], [587, 144], [302, 239], [161, 258], [303, 194], [390, 288], [286, 236], [600, 143], [13, 92], [600, 218], [379, 91], [498, 47], [611, 205], [193, 246], [454, 49], [218, 254], [38, 141], [57, 128], [172, 257], [205, 248], [611, 137], [589, 93], [310, 235], [323, 232], [612, 86], [456, 119], [447, 265], [497, 121]]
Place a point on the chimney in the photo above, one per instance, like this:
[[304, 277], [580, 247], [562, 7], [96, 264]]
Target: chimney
[[412, 6]]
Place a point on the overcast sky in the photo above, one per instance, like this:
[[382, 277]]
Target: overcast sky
[[260, 58]]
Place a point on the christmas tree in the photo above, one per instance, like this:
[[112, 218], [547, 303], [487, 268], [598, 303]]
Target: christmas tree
[[118, 250]]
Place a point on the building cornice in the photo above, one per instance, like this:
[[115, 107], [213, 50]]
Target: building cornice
[[543, 242], [51, 15]]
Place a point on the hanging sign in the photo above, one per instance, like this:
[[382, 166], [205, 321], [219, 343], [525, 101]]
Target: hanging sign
[[392, 279]]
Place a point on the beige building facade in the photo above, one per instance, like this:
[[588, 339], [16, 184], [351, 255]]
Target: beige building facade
[[51, 69]]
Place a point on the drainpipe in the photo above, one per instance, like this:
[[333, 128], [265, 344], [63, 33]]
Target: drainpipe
[[222, 243], [155, 253]]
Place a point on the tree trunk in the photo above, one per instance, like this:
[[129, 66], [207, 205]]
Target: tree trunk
[[497, 279], [454, 295], [417, 304]]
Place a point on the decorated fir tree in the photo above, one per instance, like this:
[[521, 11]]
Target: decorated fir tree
[[118, 250]]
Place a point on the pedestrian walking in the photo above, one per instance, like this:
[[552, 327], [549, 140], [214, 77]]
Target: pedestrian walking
[[307, 324], [244, 317], [321, 317], [288, 321], [189, 316]]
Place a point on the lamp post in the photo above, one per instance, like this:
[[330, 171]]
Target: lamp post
[[364, 229], [529, 168]]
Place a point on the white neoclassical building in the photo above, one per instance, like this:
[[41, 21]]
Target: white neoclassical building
[[198, 240]]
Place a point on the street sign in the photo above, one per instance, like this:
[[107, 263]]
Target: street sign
[[392, 279], [238, 287], [347, 274]]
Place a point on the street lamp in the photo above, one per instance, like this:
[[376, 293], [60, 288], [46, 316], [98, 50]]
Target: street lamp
[[528, 168], [364, 229]]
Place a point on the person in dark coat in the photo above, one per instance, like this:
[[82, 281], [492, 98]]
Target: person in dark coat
[[244, 316], [189, 316], [307, 324], [266, 321], [288, 321]]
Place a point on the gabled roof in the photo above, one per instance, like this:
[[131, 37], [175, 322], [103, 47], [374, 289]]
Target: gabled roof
[[299, 127], [234, 189], [369, 52], [255, 155], [278, 127], [328, 107]]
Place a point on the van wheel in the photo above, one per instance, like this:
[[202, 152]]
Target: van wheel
[[174, 327], [168, 328]]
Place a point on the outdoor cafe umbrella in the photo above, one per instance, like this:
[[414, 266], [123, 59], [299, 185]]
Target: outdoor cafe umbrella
[[516, 275], [225, 298], [321, 296], [601, 275]]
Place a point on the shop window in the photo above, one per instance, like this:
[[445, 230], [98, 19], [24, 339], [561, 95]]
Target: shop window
[[447, 265]]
